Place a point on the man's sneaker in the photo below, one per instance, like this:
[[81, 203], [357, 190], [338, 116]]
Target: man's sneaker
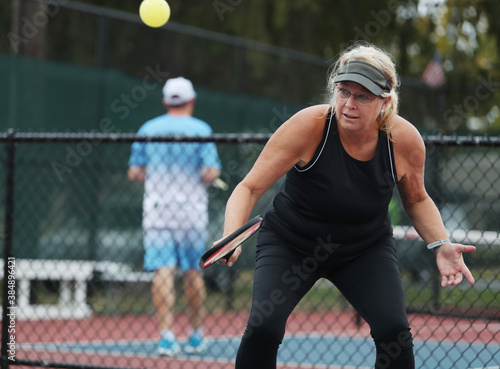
[[168, 347], [195, 345]]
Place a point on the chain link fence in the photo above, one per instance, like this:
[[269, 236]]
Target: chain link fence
[[75, 293]]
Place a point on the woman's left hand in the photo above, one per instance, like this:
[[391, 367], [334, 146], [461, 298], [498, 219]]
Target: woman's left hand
[[451, 264]]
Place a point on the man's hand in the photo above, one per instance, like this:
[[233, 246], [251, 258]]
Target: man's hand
[[136, 173], [209, 174]]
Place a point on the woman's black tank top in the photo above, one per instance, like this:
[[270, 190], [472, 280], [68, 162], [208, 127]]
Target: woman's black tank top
[[335, 198]]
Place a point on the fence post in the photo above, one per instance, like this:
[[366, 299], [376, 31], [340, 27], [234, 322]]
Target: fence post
[[8, 239]]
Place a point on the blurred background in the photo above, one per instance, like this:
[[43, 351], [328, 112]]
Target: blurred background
[[80, 77], [71, 59]]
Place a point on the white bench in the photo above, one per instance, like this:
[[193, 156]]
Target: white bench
[[73, 276]]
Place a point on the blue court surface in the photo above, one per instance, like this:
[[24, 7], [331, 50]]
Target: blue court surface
[[320, 351]]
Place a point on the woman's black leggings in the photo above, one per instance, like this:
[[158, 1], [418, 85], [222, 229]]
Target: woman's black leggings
[[370, 282]]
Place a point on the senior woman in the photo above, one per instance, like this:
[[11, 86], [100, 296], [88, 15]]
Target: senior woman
[[330, 218]]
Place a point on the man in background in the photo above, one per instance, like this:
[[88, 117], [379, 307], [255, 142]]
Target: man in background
[[175, 209]]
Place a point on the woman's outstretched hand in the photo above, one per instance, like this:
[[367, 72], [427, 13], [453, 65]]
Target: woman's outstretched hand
[[451, 264]]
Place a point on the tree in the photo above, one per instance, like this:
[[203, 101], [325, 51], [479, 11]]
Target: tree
[[468, 36]]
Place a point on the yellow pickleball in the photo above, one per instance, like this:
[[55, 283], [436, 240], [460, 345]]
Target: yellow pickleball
[[154, 13]]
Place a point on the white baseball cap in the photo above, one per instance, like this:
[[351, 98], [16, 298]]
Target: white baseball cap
[[178, 91]]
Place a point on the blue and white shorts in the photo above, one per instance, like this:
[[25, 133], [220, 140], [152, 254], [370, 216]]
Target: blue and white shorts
[[173, 248]]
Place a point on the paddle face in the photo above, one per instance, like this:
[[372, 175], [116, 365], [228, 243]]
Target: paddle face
[[226, 246]]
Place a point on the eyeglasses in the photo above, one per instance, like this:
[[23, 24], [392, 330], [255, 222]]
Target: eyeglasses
[[360, 99]]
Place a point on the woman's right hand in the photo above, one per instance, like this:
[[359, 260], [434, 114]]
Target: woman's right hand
[[232, 259]]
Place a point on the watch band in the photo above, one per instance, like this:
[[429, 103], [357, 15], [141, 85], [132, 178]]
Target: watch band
[[437, 243]]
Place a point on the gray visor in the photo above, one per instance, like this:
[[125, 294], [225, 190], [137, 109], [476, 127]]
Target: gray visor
[[366, 75]]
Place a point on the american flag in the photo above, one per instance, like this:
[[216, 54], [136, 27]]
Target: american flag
[[433, 74]]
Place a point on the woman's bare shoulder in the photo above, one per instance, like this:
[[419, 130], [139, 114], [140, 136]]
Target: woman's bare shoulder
[[305, 122], [409, 149], [405, 134]]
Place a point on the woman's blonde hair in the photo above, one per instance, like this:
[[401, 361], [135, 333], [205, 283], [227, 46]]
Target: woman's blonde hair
[[383, 62]]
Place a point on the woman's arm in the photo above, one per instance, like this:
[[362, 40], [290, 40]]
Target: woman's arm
[[293, 143], [409, 155]]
